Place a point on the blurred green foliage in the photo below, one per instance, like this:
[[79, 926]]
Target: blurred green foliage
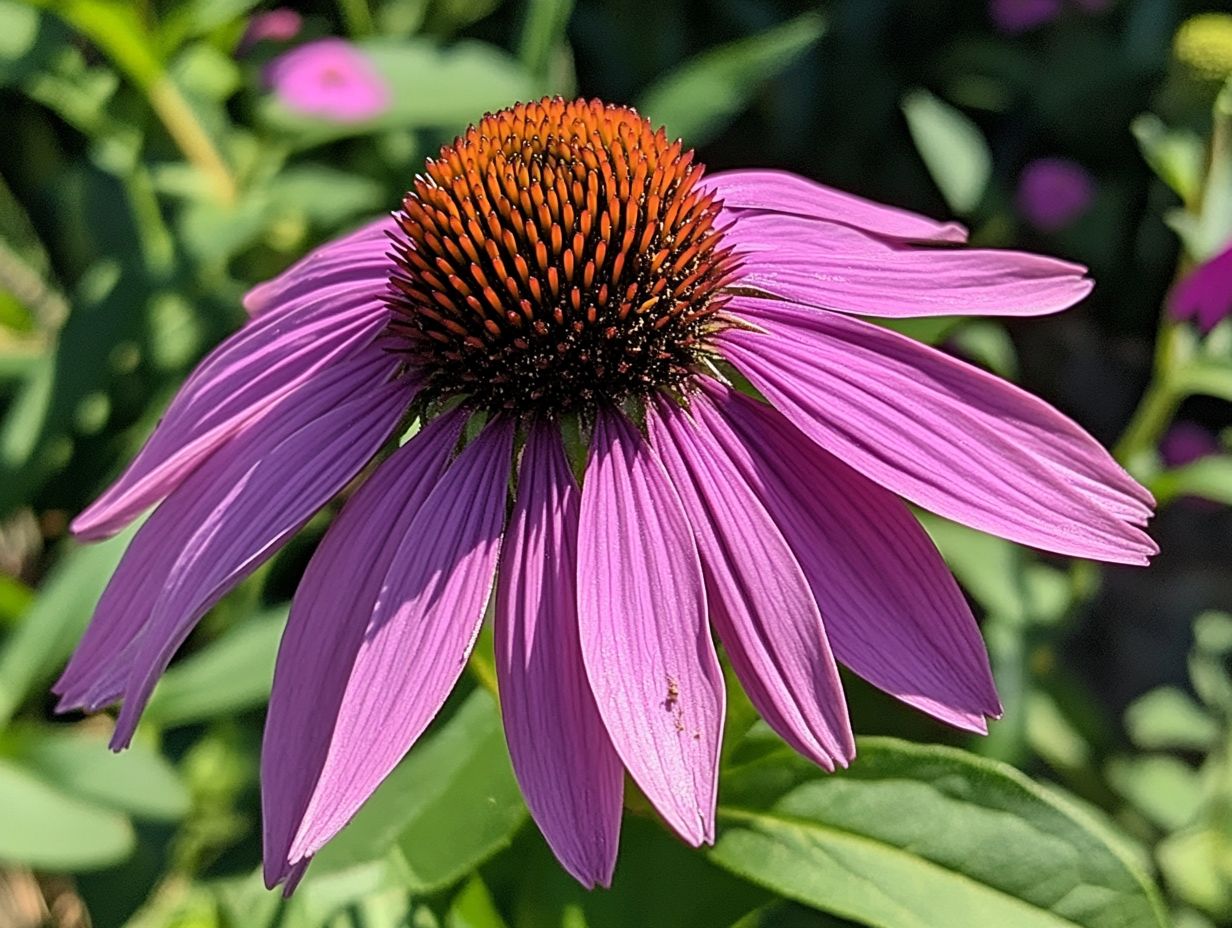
[[150, 177]]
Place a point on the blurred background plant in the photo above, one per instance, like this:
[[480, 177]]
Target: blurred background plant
[[165, 155]]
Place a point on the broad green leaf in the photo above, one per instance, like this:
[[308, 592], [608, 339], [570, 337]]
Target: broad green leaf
[[138, 780], [927, 837], [232, 674], [429, 86], [47, 633], [952, 147], [48, 829], [700, 97], [1167, 719], [445, 809]]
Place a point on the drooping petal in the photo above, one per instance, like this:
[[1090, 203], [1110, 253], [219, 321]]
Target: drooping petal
[[784, 192], [270, 363], [760, 601], [940, 432], [331, 612], [361, 256], [893, 612], [568, 770], [428, 613], [902, 282], [645, 642], [299, 450]]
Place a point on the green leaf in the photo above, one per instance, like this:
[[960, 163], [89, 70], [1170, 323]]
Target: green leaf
[[232, 674], [700, 97], [928, 837], [138, 780], [48, 829], [543, 34], [1197, 864], [429, 86], [952, 147], [49, 630], [1176, 156], [989, 345], [1166, 790], [1168, 719], [444, 810], [473, 907], [1206, 232]]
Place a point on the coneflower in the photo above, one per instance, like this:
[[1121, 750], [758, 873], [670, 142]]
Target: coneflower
[[564, 273]]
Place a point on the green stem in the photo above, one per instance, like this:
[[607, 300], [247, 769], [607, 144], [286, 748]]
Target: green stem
[[1149, 421], [1160, 401]]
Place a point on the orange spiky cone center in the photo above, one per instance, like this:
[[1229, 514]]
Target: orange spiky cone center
[[557, 256]]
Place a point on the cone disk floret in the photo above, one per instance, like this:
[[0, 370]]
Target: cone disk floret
[[558, 256]]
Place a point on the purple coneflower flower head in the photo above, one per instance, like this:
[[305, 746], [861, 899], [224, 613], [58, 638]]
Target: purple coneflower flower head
[[562, 267], [329, 79], [1205, 295], [1054, 192], [1018, 16], [278, 25]]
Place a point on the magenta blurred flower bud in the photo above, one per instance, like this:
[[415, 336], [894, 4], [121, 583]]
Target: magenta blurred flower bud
[[1205, 295], [331, 79], [1054, 192], [277, 25], [1017, 16], [1185, 443]]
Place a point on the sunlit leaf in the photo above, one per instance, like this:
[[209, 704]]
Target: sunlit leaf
[[78, 762], [46, 634], [701, 96], [47, 828], [451, 804], [232, 674], [927, 837], [953, 149]]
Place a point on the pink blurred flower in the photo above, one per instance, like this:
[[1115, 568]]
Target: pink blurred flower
[[1017, 16], [331, 79], [1205, 295], [1185, 443], [487, 308], [1054, 192], [277, 25]]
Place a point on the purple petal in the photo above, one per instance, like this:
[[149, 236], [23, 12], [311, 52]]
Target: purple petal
[[783, 192], [642, 614], [904, 282], [893, 612], [312, 447], [759, 599], [569, 772], [332, 610], [1205, 294], [419, 636], [941, 433], [360, 257], [268, 365]]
